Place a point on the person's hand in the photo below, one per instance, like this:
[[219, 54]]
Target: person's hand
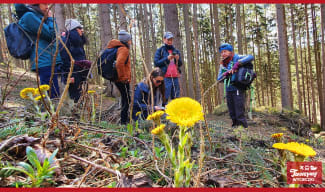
[[71, 80], [49, 13], [225, 74], [176, 57], [170, 57], [157, 108], [235, 67]]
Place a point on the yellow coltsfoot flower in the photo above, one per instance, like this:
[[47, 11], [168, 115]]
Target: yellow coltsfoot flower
[[39, 98], [296, 148], [24, 93], [277, 135], [300, 149], [184, 111], [279, 145], [44, 87], [158, 130], [155, 115], [138, 113]]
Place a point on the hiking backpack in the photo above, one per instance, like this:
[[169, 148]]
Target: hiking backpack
[[244, 77], [106, 64], [19, 43]]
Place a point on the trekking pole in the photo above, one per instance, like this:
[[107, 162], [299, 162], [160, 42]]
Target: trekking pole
[[250, 115], [224, 91]]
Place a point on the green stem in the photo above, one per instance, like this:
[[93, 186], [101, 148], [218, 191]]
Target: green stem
[[50, 102], [38, 112], [93, 116]]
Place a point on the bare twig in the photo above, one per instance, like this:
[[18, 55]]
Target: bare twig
[[115, 172], [5, 92], [222, 158], [84, 175], [95, 149]]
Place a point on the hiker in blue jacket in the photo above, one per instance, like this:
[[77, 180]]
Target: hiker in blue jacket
[[168, 59], [74, 40], [30, 21], [235, 96], [142, 95]]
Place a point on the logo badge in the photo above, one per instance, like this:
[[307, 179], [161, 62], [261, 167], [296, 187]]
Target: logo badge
[[304, 172]]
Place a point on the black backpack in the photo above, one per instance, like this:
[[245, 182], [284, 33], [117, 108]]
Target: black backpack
[[19, 43], [106, 64], [244, 77]]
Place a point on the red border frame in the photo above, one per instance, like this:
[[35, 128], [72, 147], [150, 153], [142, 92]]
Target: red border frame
[[165, 1], [162, 189]]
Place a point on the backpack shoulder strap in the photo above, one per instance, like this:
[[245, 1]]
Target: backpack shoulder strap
[[27, 35], [127, 59]]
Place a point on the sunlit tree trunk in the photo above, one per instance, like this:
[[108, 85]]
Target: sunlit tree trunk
[[286, 100], [293, 33], [323, 62], [314, 117], [188, 43], [105, 24]]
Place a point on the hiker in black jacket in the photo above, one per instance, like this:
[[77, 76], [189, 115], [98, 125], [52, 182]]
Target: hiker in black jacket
[[75, 40]]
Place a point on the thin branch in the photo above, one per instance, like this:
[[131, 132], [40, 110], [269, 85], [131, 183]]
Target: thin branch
[[115, 172]]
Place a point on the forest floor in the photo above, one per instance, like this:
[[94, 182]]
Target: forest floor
[[104, 154]]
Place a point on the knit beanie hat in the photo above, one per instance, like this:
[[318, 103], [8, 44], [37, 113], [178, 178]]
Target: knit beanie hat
[[71, 24], [226, 46], [124, 36]]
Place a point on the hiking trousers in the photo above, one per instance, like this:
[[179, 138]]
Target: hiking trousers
[[80, 76], [172, 88], [45, 76], [124, 89], [236, 107]]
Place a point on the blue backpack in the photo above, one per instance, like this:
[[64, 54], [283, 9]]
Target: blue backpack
[[19, 43], [106, 64]]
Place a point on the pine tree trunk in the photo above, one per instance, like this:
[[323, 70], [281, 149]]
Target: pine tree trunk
[[2, 43], [314, 117], [244, 23], [122, 17], [293, 32], [146, 30], [260, 69], [152, 31], [161, 15], [303, 81], [59, 17], [231, 26], [239, 29], [104, 12], [196, 50], [217, 37], [307, 81], [10, 13], [286, 100], [140, 28], [188, 36], [323, 62], [214, 61], [71, 13], [317, 61], [116, 26]]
